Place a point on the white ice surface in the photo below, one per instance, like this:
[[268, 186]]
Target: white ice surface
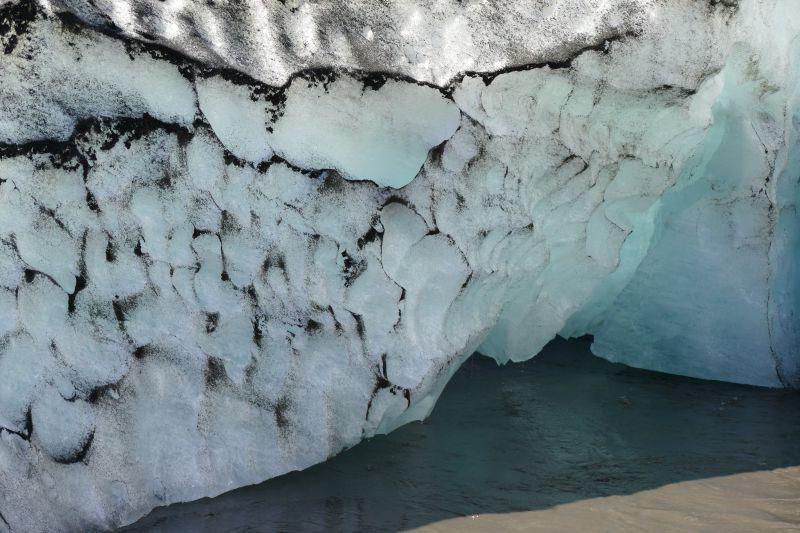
[[382, 135]]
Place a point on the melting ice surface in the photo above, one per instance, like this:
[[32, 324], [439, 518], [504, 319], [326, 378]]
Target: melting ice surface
[[214, 271]]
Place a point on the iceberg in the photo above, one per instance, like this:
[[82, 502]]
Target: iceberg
[[236, 241]]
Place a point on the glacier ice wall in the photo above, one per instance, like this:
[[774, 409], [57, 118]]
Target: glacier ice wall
[[237, 239]]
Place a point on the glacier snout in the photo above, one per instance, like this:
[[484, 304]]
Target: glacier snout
[[218, 265]]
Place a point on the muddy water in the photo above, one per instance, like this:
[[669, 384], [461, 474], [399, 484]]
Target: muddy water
[[556, 440]]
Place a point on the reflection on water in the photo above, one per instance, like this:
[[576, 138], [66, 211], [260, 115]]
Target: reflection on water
[[562, 427]]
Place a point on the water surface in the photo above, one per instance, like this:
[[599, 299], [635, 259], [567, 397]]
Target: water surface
[[560, 428]]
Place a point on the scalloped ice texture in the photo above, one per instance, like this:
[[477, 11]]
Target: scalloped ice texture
[[270, 41], [207, 281]]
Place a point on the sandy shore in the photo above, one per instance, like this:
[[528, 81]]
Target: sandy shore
[[753, 501]]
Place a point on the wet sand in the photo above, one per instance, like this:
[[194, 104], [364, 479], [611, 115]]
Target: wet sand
[[753, 501], [565, 441]]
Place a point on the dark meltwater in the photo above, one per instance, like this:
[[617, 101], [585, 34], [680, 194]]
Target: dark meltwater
[[562, 427]]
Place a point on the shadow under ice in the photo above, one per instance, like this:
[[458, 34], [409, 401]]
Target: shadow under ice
[[562, 427]]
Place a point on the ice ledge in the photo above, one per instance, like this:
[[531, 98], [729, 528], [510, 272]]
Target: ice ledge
[[270, 41]]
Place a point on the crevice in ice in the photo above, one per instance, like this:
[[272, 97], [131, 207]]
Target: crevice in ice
[[352, 268], [602, 45], [141, 351], [26, 433], [78, 151], [14, 22], [80, 455], [731, 5], [121, 306], [212, 321], [3, 519], [359, 324], [214, 371], [382, 382], [81, 278], [97, 393], [280, 411], [371, 235], [31, 273], [50, 213], [779, 372]]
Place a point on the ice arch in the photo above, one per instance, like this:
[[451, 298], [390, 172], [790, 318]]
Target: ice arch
[[208, 279]]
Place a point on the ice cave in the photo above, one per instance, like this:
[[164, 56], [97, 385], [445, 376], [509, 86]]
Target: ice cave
[[238, 237]]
